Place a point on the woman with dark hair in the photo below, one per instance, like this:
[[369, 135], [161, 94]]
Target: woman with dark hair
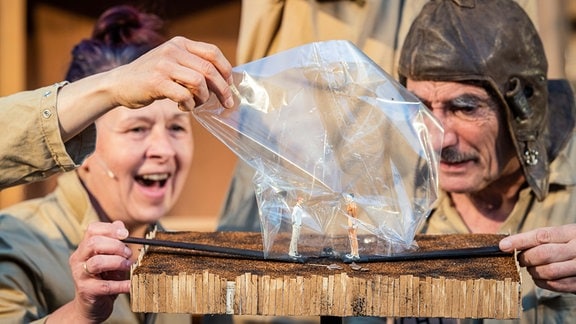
[[61, 255]]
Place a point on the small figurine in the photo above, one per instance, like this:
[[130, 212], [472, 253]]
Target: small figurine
[[352, 211], [297, 212]]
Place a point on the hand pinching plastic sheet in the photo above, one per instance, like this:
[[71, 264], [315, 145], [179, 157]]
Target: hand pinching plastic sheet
[[341, 150]]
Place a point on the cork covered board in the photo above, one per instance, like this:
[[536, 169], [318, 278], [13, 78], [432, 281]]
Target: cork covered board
[[172, 280]]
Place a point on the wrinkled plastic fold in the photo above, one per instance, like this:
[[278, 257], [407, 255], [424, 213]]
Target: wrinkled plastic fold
[[339, 147]]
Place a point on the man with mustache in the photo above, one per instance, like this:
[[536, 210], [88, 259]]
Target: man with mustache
[[508, 150], [508, 154]]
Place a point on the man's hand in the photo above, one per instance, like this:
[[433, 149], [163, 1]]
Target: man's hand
[[549, 255]]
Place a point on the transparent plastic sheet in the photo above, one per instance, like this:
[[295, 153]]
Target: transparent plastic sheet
[[342, 152]]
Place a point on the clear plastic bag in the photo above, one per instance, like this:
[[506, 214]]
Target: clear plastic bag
[[342, 151]]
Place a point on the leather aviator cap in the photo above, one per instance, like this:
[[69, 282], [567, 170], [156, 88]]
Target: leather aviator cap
[[495, 43]]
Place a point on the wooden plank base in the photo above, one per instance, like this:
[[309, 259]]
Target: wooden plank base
[[171, 280]]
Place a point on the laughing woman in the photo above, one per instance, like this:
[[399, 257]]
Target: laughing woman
[[61, 258]]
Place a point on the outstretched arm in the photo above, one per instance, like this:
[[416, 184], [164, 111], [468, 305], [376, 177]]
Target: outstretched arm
[[180, 69], [37, 123]]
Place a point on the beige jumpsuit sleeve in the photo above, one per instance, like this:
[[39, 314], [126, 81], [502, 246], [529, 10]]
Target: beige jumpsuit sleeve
[[31, 146]]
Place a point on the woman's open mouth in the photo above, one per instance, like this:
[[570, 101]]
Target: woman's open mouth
[[153, 179]]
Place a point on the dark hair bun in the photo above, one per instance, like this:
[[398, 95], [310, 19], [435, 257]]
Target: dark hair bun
[[121, 35], [125, 25]]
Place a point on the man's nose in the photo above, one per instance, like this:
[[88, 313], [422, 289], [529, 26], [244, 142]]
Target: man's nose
[[450, 135]]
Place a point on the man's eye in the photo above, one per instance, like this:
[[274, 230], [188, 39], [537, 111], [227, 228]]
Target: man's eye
[[465, 109], [466, 112], [473, 112]]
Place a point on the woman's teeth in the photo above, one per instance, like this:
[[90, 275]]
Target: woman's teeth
[[153, 179]]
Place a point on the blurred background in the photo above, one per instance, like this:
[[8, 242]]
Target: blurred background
[[36, 37]]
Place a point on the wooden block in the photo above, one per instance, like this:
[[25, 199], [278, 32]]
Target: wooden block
[[174, 280]]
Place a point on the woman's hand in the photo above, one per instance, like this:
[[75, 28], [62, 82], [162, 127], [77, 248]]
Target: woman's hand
[[100, 268], [180, 69], [183, 70]]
